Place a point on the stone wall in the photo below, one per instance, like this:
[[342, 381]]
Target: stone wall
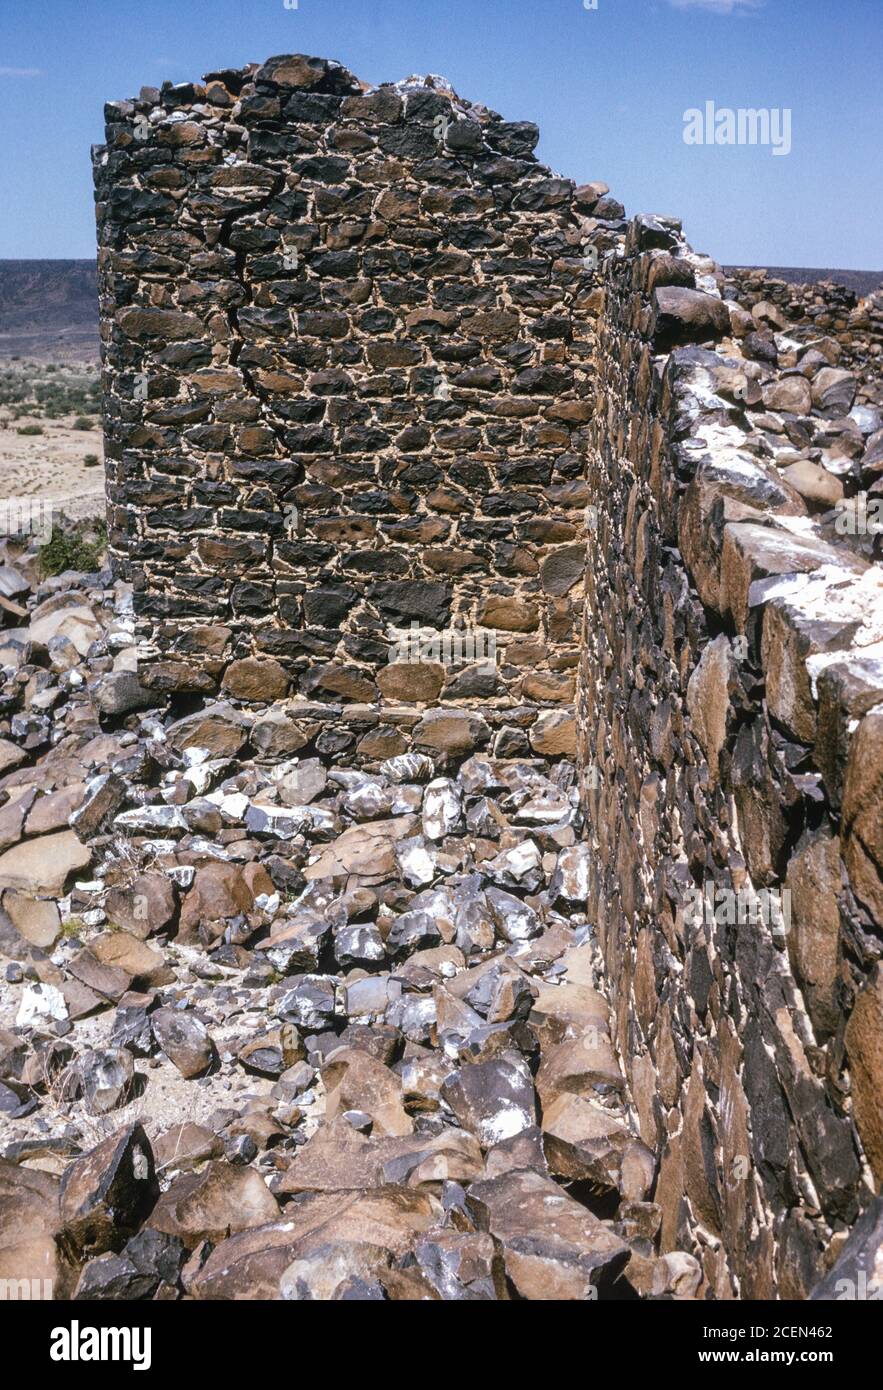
[[731, 725], [367, 365], [347, 344]]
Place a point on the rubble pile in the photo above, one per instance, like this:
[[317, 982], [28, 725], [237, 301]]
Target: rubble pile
[[821, 309], [293, 1030]]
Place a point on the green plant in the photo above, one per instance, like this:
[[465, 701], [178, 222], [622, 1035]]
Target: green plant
[[83, 423], [79, 547], [29, 429], [90, 460], [72, 927]]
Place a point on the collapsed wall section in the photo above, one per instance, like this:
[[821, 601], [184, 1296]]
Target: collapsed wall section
[[731, 725], [828, 309]]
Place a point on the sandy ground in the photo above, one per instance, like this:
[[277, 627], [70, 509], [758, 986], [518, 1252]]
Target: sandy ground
[[50, 466], [162, 1097], [70, 345]]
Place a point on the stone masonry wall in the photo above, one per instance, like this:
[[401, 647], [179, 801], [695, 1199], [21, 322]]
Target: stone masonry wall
[[731, 724], [369, 365], [347, 337]]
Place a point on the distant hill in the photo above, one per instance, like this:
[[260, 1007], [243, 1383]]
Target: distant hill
[[49, 310], [860, 281]]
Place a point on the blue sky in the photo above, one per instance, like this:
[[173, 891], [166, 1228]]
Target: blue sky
[[607, 86]]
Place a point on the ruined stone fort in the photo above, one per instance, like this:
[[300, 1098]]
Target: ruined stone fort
[[415, 447]]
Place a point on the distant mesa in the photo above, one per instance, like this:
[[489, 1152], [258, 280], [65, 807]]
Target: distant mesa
[[49, 310]]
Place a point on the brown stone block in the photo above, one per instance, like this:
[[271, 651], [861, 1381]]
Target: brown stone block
[[254, 678], [509, 613], [670, 1193], [863, 814], [682, 315], [752, 552], [708, 700], [165, 324], [848, 689], [813, 880], [554, 734], [544, 686], [790, 637], [864, 1048], [411, 681], [348, 682], [381, 743]]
